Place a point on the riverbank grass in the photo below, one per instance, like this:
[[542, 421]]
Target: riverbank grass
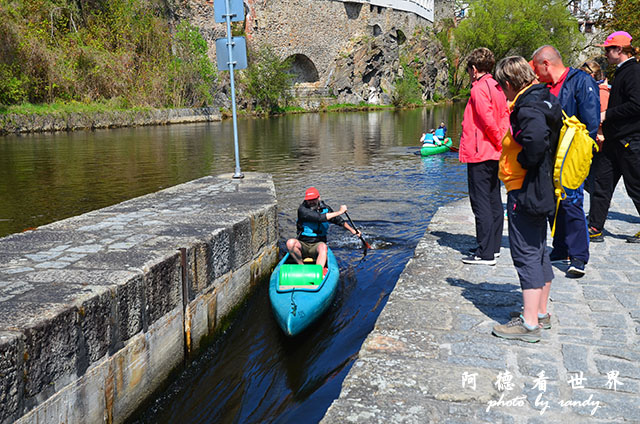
[[63, 108]]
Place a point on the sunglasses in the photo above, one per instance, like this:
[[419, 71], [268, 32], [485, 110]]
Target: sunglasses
[[586, 65]]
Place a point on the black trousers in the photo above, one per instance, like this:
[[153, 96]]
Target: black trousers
[[484, 194], [615, 161]]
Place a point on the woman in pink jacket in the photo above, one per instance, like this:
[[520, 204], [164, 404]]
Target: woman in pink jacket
[[485, 122]]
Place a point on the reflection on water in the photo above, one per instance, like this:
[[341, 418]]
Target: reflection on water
[[364, 160]]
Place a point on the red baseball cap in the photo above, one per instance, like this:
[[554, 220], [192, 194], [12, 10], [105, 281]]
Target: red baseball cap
[[618, 38], [311, 193]]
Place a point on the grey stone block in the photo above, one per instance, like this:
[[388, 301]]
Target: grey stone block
[[51, 350], [219, 254], [575, 358], [240, 241], [129, 310], [11, 381], [162, 284]]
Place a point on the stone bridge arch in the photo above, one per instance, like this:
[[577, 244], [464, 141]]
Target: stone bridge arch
[[303, 68]]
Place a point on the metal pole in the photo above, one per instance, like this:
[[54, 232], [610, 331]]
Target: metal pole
[[238, 173]]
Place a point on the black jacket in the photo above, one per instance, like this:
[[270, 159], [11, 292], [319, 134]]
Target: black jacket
[[623, 113], [312, 223], [536, 120]]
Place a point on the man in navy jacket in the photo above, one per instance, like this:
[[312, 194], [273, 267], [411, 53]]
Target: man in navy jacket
[[579, 95]]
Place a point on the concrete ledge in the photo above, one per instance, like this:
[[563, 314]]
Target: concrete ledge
[[97, 310], [15, 123]]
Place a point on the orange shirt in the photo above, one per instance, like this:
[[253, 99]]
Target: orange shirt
[[511, 173]]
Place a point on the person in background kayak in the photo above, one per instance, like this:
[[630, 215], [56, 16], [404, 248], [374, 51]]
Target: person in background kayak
[[485, 121], [312, 226]]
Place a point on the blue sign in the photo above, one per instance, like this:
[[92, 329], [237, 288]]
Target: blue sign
[[236, 10], [238, 51]]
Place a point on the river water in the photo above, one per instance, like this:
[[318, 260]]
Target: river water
[[366, 160]]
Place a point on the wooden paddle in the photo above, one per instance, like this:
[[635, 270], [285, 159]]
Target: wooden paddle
[[365, 245]]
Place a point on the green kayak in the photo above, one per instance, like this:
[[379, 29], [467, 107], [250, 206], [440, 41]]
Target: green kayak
[[429, 149]]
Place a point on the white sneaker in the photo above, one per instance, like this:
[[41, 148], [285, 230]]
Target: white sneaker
[[477, 260], [475, 249]]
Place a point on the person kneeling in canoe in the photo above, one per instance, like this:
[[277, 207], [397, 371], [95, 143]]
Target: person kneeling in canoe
[[312, 225], [431, 138]]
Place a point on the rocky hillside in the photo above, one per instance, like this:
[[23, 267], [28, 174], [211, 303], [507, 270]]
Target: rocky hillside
[[369, 69]]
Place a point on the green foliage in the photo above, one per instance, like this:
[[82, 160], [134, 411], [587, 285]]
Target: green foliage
[[621, 15], [267, 79], [512, 27], [191, 73], [95, 50], [407, 88], [12, 87]]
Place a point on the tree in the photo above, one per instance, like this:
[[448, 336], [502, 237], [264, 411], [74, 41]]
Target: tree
[[514, 27], [267, 79], [621, 15]]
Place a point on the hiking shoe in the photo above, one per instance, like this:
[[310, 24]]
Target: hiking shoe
[[634, 238], [515, 330], [595, 235], [475, 249], [544, 322], [477, 260], [558, 259], [576, 269]]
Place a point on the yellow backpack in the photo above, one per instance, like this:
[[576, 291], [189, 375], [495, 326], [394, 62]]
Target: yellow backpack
[[573, 159]]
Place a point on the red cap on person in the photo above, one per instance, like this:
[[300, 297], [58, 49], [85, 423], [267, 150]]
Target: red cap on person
[[311, 193], [618, 38]]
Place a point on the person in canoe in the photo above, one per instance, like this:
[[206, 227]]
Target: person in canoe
[[312, 226], [431, 138]]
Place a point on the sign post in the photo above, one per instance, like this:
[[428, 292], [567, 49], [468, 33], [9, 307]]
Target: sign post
[[236, 47]]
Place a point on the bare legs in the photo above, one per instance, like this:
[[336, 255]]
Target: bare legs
[[295, 250], [535, 302]]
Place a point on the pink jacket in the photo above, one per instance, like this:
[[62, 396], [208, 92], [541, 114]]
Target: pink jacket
[[485, 121]]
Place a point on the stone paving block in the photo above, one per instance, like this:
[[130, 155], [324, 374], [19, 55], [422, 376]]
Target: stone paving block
[[604, 306], [615, 406], [418, 315], [532, 364], [615, 334], [575, 357], [408, 343], [595, 293], [11, 376], [625, 368]]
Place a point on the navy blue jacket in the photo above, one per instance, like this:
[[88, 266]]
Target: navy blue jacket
[[580, 96]]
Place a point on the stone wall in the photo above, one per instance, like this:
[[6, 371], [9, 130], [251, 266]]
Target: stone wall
[[97, 310], [14, 123], [320, 34]]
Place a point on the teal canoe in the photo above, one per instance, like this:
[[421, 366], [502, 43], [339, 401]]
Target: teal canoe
[[299, 294], [432, 149]]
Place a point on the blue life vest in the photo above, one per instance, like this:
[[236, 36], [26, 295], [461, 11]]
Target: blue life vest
[[440, 133], [315, 229], [428, 138]]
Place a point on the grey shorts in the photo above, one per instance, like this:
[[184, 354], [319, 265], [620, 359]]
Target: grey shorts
[[528, 243]]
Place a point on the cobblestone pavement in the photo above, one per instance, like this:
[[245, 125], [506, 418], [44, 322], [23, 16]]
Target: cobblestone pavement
[[431, 356]]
